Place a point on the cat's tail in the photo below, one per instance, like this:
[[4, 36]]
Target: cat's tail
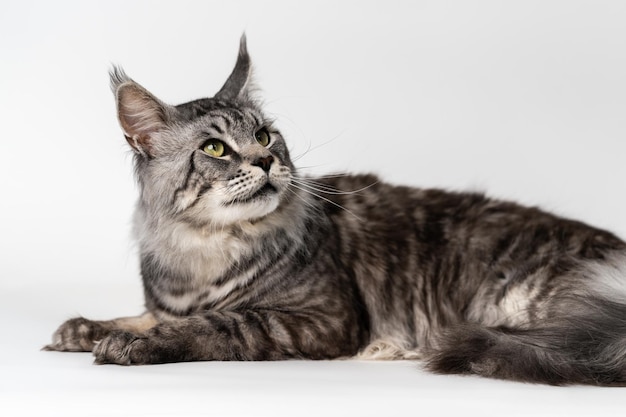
[[586, 344]]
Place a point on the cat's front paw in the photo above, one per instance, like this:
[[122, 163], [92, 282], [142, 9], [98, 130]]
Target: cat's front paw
[[122, 348], [78, 335]]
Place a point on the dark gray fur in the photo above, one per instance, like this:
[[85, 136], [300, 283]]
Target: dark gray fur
[[244, 259]]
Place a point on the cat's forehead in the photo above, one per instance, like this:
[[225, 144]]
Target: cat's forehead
[[224, 115]]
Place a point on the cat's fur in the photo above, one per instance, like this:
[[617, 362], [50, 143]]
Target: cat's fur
[[244, 259]]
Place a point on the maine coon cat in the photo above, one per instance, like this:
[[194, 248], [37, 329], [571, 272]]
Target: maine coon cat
[[242, 258]]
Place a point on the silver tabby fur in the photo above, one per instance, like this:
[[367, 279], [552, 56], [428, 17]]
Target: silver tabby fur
[[244, 259]]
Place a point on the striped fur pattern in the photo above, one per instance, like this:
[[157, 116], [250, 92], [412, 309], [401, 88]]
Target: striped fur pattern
[[242, 258]]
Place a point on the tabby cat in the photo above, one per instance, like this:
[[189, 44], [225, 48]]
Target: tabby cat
[[243, 258]]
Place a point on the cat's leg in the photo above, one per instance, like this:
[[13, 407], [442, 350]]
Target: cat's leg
[[81, 335], [247, 335]]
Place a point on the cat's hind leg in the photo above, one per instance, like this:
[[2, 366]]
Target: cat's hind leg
[[82, 335]]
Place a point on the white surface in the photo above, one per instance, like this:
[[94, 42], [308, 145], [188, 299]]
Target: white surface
[[523, 99]]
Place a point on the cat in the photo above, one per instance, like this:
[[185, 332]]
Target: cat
[[243, 258]]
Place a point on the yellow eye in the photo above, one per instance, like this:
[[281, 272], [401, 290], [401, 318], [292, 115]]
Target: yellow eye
[[263, 137], [214, 147]]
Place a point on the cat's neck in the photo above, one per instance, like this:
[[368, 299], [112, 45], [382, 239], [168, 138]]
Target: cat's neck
[[206, 251]]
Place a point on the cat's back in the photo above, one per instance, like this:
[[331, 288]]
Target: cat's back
[[369, 201], [423, 220]]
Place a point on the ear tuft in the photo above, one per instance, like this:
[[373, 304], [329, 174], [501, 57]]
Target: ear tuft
[[239, 83], [118, 77], [140, 113]]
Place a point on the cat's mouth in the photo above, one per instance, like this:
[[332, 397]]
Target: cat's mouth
[[265, 191]]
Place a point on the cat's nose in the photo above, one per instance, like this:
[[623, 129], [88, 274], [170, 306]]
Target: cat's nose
[[265, 163]]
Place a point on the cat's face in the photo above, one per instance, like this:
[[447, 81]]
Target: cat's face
[[237, 166], [211, 161]]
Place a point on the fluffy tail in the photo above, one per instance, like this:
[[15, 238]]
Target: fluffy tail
[[586, 345]]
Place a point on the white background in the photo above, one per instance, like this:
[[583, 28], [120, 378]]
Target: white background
[[525, 100]]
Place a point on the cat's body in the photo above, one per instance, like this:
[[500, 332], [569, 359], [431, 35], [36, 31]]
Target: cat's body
[[243, 259]]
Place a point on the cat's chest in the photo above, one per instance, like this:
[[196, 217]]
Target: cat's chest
[[199, 268]]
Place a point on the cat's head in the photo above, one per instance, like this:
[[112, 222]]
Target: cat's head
[[210, 161]]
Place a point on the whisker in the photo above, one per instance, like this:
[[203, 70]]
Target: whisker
[[323, 176], [311, 148], [325, 199], [307, 202], [306, 167], [325, 188], [297, 157], [314, 181]]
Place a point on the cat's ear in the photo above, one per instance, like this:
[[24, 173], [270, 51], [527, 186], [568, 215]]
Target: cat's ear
[[140, 114], [239, 84]]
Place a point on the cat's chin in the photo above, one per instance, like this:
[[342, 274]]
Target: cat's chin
[[264, 193], [250, 210]]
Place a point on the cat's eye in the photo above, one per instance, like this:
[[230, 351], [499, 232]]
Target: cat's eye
[[263, 137], [214, 148]]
